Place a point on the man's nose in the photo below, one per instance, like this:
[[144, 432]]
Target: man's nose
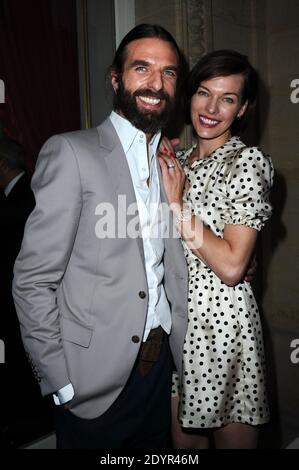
[[155, 81]]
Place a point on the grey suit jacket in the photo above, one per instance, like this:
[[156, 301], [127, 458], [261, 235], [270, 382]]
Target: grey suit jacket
[[80, 299]]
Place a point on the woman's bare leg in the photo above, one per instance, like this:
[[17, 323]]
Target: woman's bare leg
[[236, 436], [181, 439]]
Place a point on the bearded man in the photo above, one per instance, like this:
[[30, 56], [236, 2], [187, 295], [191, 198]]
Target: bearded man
[[99, 313]]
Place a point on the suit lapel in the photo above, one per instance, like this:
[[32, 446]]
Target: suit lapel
[[164, 201], [119, 171]]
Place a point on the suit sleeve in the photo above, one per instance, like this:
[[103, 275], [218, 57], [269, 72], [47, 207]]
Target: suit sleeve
[[47, 245]]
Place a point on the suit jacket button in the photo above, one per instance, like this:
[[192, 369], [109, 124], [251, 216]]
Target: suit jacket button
[[142, 294], [135, 339]]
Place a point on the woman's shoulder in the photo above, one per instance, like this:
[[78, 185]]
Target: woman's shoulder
[[251, 152], [250, 164], [251, 157]]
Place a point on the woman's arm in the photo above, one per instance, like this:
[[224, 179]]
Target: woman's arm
[[229, 256]]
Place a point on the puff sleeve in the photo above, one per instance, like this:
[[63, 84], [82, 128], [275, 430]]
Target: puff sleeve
[[248, 186]]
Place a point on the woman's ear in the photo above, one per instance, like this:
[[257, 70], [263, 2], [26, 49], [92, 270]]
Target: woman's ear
[[242, 110]]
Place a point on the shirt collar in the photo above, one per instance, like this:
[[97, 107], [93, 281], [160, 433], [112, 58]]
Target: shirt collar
[[127, 133], [12, 183]]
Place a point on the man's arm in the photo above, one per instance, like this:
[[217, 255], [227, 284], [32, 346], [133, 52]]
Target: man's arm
[[47, 245]]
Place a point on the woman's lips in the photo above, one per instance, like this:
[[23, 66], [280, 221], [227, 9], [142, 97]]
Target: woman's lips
[[207, 122]]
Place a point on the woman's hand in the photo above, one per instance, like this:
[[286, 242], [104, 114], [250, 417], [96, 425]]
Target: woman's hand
[[167, 146], [172, 172], [251, 269]]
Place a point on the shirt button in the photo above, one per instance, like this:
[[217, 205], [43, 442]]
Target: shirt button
[[135, 339], [142, 294]]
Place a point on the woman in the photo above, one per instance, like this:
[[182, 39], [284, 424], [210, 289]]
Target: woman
[[218, 214]]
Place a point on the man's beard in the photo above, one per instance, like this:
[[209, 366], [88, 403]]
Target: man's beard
[[150, 122]]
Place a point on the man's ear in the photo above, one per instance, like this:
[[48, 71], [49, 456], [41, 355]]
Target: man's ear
[[114, 81], [4, 169], [242, 110]]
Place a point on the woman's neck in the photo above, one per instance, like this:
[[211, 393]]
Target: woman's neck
[[206, 147]]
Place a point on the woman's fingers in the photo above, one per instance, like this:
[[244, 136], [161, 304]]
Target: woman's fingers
[[175, 142], [164, 168], [170, 162], [166, 147]]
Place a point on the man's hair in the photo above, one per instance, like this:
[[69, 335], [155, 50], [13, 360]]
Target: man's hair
[[12, 153], [143, 31], [222, 63]]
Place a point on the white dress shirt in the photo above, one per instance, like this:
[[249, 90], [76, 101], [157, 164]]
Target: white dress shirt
[[142, 163]]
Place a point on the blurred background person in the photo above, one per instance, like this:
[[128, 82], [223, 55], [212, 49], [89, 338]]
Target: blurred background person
[[20, 398]]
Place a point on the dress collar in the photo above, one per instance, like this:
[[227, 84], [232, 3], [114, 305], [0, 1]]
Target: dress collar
[[221, 153]]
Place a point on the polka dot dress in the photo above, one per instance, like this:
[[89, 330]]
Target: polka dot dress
[[223, 361]]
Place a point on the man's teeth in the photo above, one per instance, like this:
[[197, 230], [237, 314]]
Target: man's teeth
[[208, 121], [149, 100]]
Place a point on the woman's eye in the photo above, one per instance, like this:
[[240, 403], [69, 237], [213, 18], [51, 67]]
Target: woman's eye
[[229, 100], [202, 93]]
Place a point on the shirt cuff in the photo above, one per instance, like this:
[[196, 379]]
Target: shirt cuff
[[64, 395]]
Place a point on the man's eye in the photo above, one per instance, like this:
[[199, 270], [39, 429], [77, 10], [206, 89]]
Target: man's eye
[[170, 73], [140, 68]]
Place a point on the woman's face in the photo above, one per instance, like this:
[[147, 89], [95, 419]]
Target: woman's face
[[215, 105]]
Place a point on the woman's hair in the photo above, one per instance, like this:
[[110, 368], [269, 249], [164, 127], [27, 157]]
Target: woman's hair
[[222, 63]]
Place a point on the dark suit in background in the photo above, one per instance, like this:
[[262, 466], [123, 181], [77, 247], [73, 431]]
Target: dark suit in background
[[20, 402]]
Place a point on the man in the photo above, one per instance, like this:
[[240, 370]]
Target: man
[[18, 388], [17, 201], [95, 311]]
